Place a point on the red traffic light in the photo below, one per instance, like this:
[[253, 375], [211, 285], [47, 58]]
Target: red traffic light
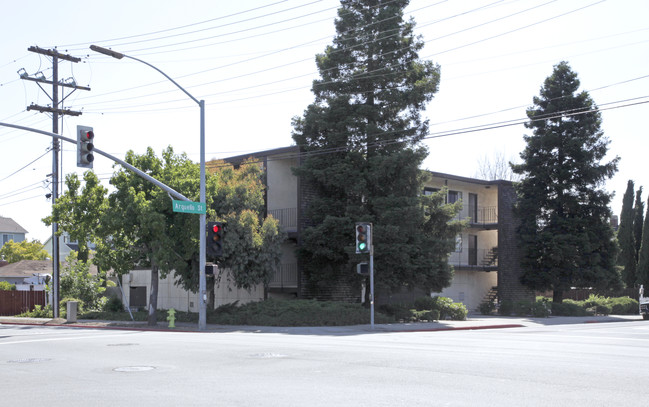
[[90, 135], [216, 228]]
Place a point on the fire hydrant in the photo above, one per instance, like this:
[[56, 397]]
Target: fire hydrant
[[171, 318]]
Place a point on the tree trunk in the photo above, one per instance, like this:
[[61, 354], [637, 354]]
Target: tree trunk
[[153, 296], [557, 296]]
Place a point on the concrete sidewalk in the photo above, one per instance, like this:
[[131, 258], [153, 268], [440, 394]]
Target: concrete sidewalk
[[474, 322]]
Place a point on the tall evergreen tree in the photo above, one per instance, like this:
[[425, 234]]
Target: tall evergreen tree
[[361, 139], [565, 233], [643, 258], [626, 238], [638, 221]]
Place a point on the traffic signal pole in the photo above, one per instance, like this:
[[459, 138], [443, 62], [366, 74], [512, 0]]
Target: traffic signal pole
[[372, 285]]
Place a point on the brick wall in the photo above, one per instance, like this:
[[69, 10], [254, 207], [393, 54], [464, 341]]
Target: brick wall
[[509, 269], [336, 291]]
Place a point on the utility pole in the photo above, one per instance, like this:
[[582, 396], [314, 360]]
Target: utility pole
[[56, 112]]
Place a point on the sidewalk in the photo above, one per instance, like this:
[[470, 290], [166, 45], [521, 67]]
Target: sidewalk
[[472, 323]]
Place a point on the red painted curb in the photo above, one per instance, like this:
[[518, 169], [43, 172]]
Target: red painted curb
[[468, 328]]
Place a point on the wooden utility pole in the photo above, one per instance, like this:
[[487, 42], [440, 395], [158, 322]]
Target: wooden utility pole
[[56, 112]]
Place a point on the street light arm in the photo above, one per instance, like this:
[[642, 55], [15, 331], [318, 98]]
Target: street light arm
[[202, 309], [119, 55]]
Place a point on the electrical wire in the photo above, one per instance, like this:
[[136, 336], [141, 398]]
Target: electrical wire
[[27, 165], [175, 28], [455, 132], [379, 69]]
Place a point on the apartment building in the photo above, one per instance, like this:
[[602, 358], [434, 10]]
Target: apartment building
[[486, 258]]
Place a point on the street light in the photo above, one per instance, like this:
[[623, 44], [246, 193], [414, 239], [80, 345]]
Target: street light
[[202, 292]]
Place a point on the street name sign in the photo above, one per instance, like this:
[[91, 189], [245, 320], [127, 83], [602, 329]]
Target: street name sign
[[188, 207]]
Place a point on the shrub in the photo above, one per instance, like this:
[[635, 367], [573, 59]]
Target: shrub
[[523, 308], [7, 286], [457, 311], [542, 308], [114, 304], [425, 303], [570, 308], [506, 307], [399, 312], [487, 307], [63, 305], [623, 306], [296, 313], [39, 312]]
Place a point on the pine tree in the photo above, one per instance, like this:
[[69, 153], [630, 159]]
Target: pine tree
[[643, 258], [361, 143], [626, 238], [638, 221], [565, 233]]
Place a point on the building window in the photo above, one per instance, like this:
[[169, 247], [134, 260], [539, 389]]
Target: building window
[[454, 196], [6, 238], [430, 190]]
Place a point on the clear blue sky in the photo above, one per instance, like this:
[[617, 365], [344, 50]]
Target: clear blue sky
[[253, 63]]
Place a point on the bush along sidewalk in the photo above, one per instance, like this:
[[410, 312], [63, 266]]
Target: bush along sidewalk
[[543, 307], [426, 309]]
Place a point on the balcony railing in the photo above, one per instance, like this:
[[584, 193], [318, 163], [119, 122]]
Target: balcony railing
[[285, 277], [475, 259], [484, 215], [287, 218]]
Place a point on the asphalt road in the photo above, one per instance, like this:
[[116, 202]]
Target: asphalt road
[[602, 364]]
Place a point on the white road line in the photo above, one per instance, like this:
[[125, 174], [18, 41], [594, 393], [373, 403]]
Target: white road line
[[67, 337]]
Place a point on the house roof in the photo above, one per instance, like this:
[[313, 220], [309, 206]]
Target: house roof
[[261, 154], [469, 180], [10, 226], [26, 268]]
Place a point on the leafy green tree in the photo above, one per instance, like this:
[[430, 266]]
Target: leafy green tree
[[79, 210], [77, 282], [362, 152], [643, 257], [565, 233], [626, 238], [139, 226], [252, 243], [15, 251]]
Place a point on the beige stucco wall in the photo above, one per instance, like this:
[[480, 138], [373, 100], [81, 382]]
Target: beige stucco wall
[[282, 184], [470, 287], [172, 296]]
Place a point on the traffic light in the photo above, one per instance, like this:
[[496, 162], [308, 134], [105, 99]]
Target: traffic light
[[214, 242], [363, 237], [85, 145]]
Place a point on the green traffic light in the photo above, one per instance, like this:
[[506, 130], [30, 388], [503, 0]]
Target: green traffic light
[[362, 246]]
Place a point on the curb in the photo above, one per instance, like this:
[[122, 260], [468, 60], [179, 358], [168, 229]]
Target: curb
[[463, 328]]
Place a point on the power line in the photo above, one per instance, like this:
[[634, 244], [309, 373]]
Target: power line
[[364, 73], [27, 165], [175, 28], [455, 132]]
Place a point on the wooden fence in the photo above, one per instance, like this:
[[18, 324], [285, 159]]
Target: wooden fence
[[16, 302]]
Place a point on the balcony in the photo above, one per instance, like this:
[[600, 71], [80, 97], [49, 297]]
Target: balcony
[[485, 217], [475, 259], [285, 277], [287, 218]]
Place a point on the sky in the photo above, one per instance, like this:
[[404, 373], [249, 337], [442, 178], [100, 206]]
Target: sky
[[253, 63]]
